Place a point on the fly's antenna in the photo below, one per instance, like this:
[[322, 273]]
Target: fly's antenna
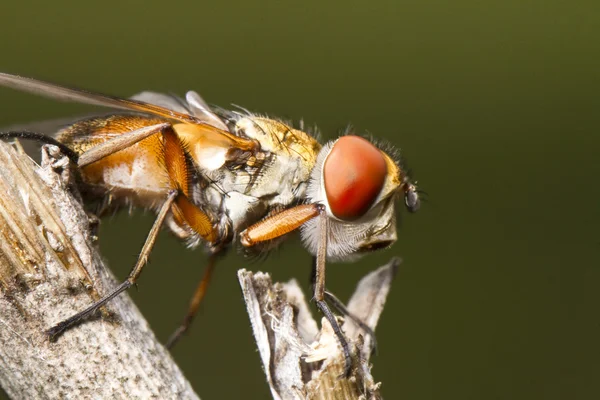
[[39, 137]]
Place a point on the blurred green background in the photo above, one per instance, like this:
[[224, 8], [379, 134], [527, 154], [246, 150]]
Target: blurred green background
[[495, 105]]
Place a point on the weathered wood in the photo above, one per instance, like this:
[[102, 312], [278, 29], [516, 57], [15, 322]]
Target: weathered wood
[[301, 362], [47, 265]]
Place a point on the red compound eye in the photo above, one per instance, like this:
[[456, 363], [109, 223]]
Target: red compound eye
[[354, 174]]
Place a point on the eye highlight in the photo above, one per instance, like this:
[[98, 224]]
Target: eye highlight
[[354, 174]]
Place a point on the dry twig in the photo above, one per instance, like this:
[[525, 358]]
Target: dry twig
[[300, 361], [47, 266]]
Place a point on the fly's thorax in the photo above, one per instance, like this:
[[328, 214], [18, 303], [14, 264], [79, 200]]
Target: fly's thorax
[[275, 176], [290, 157], [277, 137], [359, 188]]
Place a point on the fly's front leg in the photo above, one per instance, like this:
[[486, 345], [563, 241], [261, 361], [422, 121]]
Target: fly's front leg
[[279, 224], [341, 308], [319, 292], [288, 221]]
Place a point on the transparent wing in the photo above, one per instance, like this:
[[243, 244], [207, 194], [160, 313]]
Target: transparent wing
[[202, 111], [169, 101], [193, 105], [62, 93]]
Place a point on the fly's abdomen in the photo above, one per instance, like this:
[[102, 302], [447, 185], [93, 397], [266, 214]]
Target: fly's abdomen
[[136, 172]]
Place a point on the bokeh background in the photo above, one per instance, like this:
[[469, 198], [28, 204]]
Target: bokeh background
[[494, 104]]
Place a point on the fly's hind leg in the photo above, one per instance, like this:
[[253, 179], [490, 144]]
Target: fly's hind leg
[[59, 328], [120, 142], [174, 159]]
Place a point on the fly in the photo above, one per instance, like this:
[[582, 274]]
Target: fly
[[216, 177]]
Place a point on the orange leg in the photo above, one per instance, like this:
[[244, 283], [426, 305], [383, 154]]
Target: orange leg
[[195, 302], [119, 142], [285, 222], [133, 275], [177, 201], [183, 209], [279, 224], [185, 212]]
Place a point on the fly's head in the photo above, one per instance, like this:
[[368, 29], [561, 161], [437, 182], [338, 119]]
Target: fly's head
[[359, 185]]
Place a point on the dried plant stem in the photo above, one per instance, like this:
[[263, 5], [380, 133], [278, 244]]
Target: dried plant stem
[[300, 361], [47, 265]]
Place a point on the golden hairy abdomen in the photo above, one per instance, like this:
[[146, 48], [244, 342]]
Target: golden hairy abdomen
[[136, 172]]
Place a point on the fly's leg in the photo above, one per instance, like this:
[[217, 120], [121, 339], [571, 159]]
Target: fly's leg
[[319, 292], [340, 307], [285, 222], [120, 142], [177, 202], [39, 137], [279, 224], [195, 302], [133, 275], [186, 212]]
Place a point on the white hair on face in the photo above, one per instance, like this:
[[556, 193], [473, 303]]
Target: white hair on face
[[344, 238]]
